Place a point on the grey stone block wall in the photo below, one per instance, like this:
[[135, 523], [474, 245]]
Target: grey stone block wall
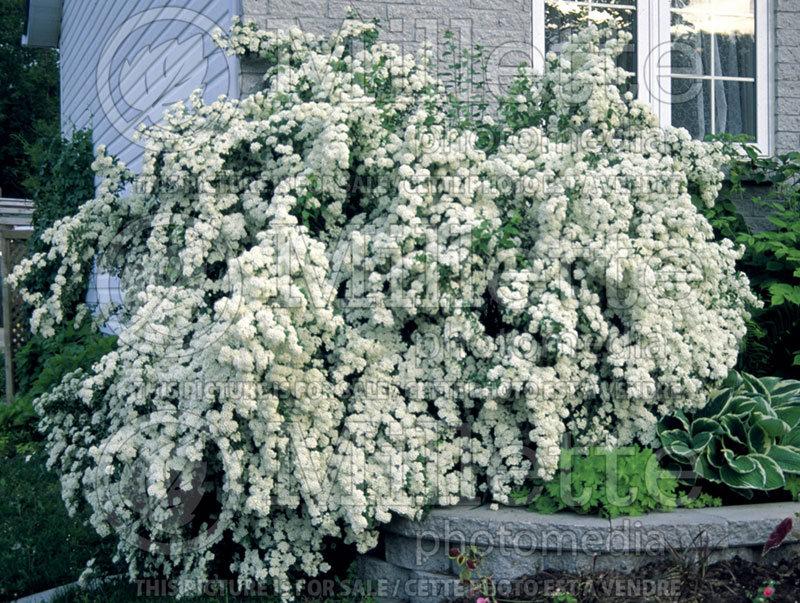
[[787, 75], [502, 26], [514, 542]]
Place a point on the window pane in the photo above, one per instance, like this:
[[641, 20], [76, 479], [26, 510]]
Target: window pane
[[691, 106], [691, 47], [713, 41], [736, 107], [736, 53], [563, 18]]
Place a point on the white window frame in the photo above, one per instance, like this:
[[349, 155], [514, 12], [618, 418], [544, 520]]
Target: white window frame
[[654, 68]]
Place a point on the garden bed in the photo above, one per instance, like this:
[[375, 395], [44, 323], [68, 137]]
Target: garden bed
[[415, 564]]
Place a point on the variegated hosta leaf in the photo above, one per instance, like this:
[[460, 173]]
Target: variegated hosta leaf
[[790, 413], [785, 392], [716, 405], [735, 428], [703, 424], [754, 384], [774, 477], [701, 440], [714, 453], [755, 479], [677, 443], [774, 427], [757, 439], [787, 457], [782, 388], [703, 468], [740, 464]]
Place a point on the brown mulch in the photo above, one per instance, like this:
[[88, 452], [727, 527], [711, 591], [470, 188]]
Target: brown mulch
[[734, 581]]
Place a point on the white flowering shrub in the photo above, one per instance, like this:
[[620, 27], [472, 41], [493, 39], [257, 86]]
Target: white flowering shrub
[[337, 308]]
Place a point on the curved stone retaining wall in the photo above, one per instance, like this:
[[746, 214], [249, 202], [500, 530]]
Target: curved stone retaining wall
[[414, 565]]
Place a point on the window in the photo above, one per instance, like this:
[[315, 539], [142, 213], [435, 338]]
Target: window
[[702, 64]]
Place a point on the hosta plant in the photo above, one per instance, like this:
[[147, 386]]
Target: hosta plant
[[747, 436], [338, 307]]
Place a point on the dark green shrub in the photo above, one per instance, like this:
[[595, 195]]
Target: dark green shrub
[[772, 257], [61, 182]]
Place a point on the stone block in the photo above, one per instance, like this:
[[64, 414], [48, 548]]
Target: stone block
[[417, 554], [388, 580], [655, 534]]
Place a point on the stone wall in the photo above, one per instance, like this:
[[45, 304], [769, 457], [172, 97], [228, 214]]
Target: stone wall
[[413, 563], [787, 75], [502, 26]]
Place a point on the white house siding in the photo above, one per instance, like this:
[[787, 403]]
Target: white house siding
[[124, 62]]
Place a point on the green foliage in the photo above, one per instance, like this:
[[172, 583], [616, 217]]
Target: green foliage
[[61, 181], [793, 485], [18, 436], [29, 104], [41, 363], [747, 436], [772, 257], [623, 481], [465, 82]]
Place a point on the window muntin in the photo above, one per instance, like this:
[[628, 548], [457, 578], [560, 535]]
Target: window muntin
[[701, 64], [713, 64]]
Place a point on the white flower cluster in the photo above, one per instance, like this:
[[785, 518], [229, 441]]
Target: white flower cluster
[[353, 281]]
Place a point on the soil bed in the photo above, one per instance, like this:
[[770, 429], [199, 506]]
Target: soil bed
[[731, 581]]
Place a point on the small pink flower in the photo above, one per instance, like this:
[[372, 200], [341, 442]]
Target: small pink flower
[[768, 591], [482, 600]]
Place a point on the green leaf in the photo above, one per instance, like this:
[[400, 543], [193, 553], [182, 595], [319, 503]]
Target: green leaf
[[753, 480], [793, 439], [669, 423], [741, 464], [704, 469], [774, 478], [714, 453], [787, 391], [734, 428], [754, 384], [787, 457], [716, 405], [771, 384], [774, 427], [703, 424], [789, 413], [701, 440], [757, 439], [677, 444], [743, 404]]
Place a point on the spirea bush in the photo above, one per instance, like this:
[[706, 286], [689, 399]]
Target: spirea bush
[[337, 308]]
